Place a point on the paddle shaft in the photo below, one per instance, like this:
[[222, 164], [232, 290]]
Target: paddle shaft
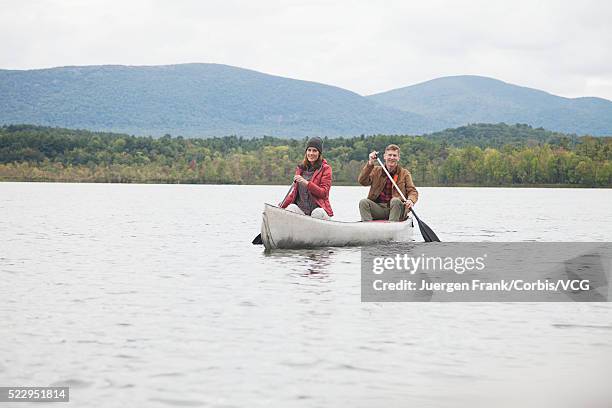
[[286, 195], [428, 234]]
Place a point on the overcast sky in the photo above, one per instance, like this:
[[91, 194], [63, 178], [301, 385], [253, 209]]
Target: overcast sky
[[562, 47]]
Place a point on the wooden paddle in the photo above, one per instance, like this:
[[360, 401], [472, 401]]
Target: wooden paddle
[[426, 232], [257, 240]]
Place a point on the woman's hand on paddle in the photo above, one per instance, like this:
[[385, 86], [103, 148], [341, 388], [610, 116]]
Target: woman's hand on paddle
[[408, 204], [300, 179], [372, 158]]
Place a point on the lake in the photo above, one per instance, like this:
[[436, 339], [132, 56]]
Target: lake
[[152, 295]]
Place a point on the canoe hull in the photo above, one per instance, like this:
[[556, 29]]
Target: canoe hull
[[282, 229]]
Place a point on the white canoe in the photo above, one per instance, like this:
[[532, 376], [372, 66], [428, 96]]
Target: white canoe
[[287, 230]]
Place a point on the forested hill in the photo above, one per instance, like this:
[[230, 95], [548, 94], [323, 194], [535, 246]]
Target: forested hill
[[458, 100], [207, 100], [483, 155], [200, 100]]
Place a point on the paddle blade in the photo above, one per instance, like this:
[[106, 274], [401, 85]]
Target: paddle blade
[[426, 232], [257, 240]]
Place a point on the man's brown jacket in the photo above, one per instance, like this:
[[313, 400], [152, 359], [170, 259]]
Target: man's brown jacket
[[375, 177]]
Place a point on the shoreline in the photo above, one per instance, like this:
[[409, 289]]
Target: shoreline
[[339, 184]]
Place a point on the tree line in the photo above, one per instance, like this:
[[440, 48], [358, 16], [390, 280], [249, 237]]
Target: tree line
[[478, 154]]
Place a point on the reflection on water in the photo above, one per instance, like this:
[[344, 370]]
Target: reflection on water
[[312, 261], [152, 295]]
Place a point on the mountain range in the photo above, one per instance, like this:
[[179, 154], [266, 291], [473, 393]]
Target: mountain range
[[216, 100], [459, 100]]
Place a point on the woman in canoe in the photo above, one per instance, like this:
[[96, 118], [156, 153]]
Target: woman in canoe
[[309, 194]]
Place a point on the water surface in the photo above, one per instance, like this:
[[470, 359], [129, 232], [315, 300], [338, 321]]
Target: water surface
[[152, 295]]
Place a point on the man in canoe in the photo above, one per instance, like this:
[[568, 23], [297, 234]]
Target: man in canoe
[[384, 202], [312, 181]]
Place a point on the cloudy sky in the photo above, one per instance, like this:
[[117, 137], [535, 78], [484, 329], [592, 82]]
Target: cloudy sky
[[563, 47]]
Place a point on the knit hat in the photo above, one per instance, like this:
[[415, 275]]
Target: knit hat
[[315, 142]]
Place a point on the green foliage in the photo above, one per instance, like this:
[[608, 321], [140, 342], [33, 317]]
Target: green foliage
[[486, 155]]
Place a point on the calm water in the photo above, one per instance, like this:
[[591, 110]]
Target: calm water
[[152, 295]]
